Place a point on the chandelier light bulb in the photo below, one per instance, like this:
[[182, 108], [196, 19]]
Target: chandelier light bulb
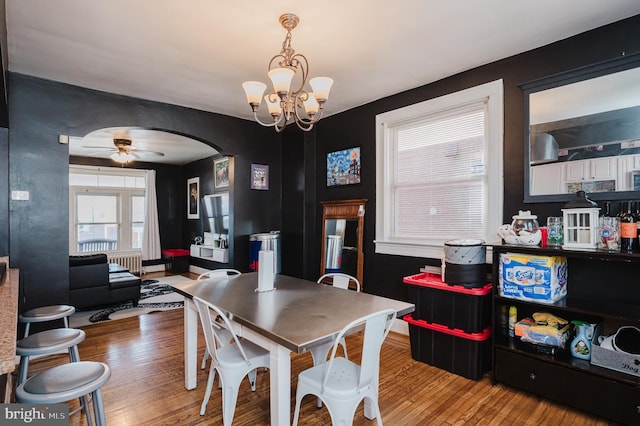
[[321, 87], [254, 91], [274, 107], [311, 106], [281, 79]]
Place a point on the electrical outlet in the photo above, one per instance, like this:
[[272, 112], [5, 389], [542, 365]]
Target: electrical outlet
[[20, 195]]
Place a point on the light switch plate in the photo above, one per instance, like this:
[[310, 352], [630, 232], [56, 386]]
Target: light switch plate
[[20, 195]]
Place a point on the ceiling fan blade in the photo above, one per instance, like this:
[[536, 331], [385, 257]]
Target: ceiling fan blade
[[100, 147], [146, 151]]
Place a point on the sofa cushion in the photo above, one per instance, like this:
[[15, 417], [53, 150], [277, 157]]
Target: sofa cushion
[[123, 279], [87, 259]]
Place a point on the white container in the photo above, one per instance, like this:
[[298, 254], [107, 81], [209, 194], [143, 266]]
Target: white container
[[465, 252]]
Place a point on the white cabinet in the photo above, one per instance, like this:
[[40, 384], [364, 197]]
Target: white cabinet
[[546, 179], [215, 254], [592, 169]]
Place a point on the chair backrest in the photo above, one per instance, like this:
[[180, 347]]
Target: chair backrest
[[219, 273], [210, 317], [340, 280], [376, 328]]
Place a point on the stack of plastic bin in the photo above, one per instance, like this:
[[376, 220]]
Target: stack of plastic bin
[[451, 326]]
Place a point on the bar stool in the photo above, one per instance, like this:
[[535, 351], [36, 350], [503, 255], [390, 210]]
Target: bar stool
[[67, 382], [44, 314], [48, 342]]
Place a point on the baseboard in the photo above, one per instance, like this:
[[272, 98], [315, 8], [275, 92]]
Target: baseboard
[[152, 268]]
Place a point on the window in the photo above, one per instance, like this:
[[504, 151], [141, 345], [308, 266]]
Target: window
[[439, 172], [107, 207]]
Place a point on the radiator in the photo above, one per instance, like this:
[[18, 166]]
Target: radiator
[[131, 261]]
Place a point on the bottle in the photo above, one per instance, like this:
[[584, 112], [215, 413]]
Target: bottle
[[636, 217], [581, 345], [628, 229], [513, 318]]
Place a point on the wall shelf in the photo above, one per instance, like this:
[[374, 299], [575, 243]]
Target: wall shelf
[[216, 254]]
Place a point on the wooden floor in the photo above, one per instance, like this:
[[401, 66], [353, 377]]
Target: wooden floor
[[147, 385]]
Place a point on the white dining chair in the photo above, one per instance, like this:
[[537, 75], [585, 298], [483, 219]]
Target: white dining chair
[[232, 361], [219, 273], [342, 384], [343, 281], [224, 337]]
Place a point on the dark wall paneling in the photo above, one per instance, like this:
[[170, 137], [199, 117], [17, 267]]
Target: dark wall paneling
[[4, 189], [41, 110], [293, 194], [383, 273]]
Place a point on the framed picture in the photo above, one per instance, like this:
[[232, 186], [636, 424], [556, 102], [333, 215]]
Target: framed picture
[[259, 176], [221, 172], [193, 198], [343, 167]]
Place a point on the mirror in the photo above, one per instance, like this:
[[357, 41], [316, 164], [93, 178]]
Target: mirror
[[342, 234], [582, 132], [216, 217]]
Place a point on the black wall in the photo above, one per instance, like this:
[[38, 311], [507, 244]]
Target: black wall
[[41, 110], [383, 273]]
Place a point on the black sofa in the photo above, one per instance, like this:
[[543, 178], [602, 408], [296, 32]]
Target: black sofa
[[90, 283]]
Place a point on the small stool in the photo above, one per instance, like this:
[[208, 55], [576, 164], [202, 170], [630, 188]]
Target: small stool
[[48, 342], [44, 314], [66, 382], [177, 260]]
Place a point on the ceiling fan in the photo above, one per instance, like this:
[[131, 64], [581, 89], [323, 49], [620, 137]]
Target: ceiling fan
[[124, 151]]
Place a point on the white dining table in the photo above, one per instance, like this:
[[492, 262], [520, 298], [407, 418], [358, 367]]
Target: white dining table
[[293, 317]]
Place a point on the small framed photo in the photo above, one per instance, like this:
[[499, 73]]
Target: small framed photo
[[259, 176], [193, 198], [343, 167], [221, 172]]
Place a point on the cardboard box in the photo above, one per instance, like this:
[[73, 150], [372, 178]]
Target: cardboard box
[[540, 279]]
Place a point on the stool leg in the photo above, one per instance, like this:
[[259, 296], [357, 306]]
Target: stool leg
[[22, 371], [26, 329], [66, 322], [84, 402], [98, 408], [74, 355]]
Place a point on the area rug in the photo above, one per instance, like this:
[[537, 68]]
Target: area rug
[[155, 295]]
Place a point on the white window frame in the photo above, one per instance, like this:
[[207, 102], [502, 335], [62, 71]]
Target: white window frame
[[124, 214], [492, 93]]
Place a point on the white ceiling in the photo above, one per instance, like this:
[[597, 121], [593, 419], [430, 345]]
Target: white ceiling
[[197, 53]]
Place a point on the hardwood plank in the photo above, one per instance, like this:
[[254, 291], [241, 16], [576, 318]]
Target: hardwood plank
[[147, 385]]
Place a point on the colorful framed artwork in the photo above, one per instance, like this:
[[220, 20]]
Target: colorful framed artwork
[[343, 167], [259, 176], [193, 198], [221, 172]]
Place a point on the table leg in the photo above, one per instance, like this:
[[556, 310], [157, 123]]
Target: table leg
[[280, 381], [279, 377], [190, 344]]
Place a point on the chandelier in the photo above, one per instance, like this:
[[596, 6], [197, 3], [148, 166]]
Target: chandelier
[[285, 104]]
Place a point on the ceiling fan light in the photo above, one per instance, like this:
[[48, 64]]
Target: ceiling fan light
[[321, 87], [122, 157], [254, 91], [281, 79]]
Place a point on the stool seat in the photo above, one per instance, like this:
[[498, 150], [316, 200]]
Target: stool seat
[[49, 341], [66, 382], [46, 313]]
